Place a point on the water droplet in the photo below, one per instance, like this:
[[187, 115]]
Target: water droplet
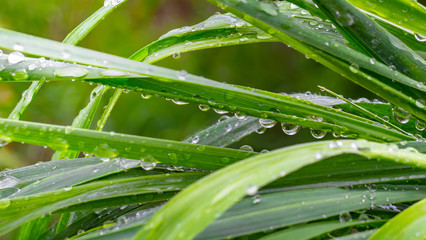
[[15, 57], [148, 165], [290, 129], [204, 107], [420, 38], [252, 190], [318, 134], [247, 148], [267, 123], [74, 72], [176, 55], [240, 115], [20, 75], [261, 130], [177, 102], [420, 103], [363, 217], [67, 189], [182, 75], [8, 182], [18, 47], [372, 61], [146, 96], [195, 139], [401, 115], [318, 155], [257, 199], [420, 125], [345, 217], [105, 151], [220, 111]]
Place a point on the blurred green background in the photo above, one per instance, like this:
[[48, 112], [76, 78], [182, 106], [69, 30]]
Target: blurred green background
[[269, 66]]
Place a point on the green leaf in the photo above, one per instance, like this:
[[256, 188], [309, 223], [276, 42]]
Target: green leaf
[[215, 193], [308, 231], [396, 12], [226, 132], [111, 145], [16, 211], [410, 224], [330, 52], [375, 39]]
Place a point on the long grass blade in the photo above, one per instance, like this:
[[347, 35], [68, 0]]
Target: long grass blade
[[219, 192], [327, 51], [407, 225]]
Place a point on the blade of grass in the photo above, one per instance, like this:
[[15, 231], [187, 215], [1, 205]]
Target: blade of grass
[[409, 224], [312, 230], [378, 42], [16, 211], [111, 145], [394, 11], [372, 115], [248, 101], [327, 51], [215, 193]]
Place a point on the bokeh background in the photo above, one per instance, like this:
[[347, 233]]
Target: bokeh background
[[269, 66]]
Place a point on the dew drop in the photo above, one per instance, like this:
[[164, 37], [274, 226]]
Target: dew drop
[[420, 125], [74, 72], [146, 96], [252, 190], [247, 148], [18, 47], [401, 115], [420, 38], [15, 57], [240, 115], [176, 55], [220, 111], [20, 75], [261, 130], [177, 102], [267, 123], [8, 182], [182, 75], [318, 134], [204, 107], [290, 129], [195, 139], [148, 165], [345, 217], [420, 103], [257, 199]]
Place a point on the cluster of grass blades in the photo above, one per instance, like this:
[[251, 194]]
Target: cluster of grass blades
[[368, 183]]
